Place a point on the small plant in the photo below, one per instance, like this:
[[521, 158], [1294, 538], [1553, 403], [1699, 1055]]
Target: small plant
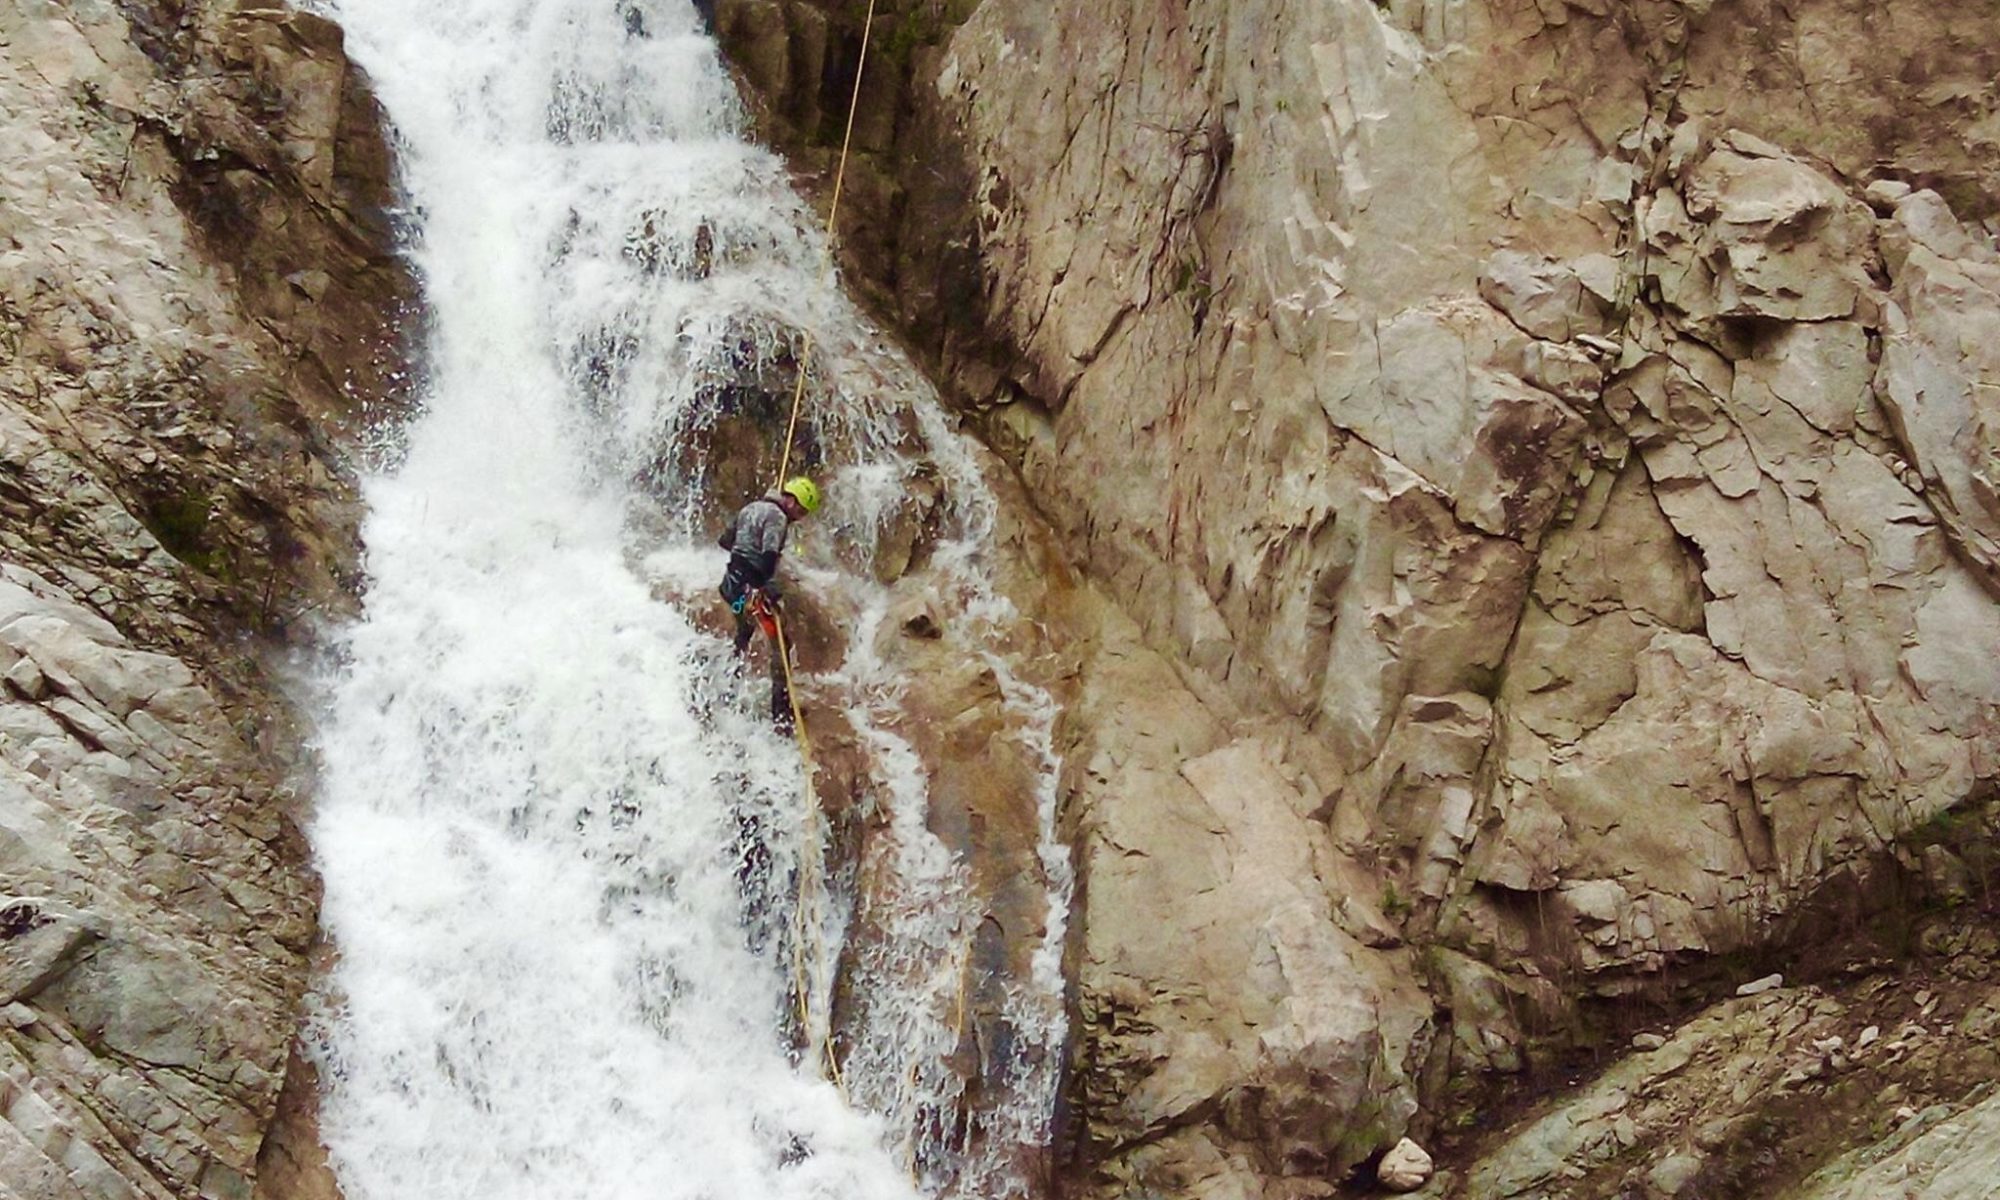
[[922, 25], [1394, 905], [1949, 828]]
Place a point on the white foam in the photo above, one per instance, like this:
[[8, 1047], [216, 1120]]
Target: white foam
[[551, 980]]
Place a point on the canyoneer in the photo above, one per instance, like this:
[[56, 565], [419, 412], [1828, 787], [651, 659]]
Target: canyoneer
[[755, 538]]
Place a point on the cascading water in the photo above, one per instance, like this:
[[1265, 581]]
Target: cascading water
[[559, 851]]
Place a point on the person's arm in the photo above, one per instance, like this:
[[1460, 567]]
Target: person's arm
[[760, 567], [769, 544], [754, 545]]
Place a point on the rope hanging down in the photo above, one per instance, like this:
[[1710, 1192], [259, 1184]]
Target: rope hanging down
[[805, 930], [832, 214]]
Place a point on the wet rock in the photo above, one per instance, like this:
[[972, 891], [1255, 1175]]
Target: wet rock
[[909, 526], [292, 1164], [935, 798], [728, 440], [1488, 1010]]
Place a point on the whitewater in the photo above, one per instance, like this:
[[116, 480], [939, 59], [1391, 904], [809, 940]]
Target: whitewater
[[559, 848]]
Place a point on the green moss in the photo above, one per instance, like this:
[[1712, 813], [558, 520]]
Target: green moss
[[903, 37], [920, 25], [181, 523], [1394, 905]]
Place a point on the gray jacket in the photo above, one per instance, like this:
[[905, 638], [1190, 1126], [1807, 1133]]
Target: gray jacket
[[754, 540]]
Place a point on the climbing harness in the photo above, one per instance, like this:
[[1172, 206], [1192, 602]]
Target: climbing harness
[[765, 616]]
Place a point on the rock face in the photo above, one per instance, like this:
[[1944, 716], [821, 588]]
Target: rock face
[[1243, 1012], [195, 302], [1534, 478], [1549, 448], [1950, 1156], [1743, 1099], [156, 916]]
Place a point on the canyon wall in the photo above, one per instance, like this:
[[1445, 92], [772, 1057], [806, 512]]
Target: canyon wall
[[1546, 453], [197, 302], [1522, 482]]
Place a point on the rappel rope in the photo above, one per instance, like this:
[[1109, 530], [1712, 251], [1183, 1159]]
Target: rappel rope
[[832, 215], [808, 950]]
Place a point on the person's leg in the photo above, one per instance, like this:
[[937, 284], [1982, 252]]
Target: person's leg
[[781, 692], [745, 630]]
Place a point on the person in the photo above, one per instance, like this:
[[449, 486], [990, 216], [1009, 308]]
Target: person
[[755, 539]]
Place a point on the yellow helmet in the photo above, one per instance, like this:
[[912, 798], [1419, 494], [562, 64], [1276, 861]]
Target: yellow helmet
[[803, 490]]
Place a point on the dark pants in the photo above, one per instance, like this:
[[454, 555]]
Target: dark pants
[[781, 693]]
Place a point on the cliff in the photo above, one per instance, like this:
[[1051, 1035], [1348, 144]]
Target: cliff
[[1546, 454], [1506, 505], [196, 304]]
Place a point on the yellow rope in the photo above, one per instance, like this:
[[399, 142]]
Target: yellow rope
[[832, 213], [804, 932], [809, 875]]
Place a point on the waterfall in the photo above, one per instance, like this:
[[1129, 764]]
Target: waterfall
[[560, 847]]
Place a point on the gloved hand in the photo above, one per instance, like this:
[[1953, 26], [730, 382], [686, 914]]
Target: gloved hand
[[771, 593]]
